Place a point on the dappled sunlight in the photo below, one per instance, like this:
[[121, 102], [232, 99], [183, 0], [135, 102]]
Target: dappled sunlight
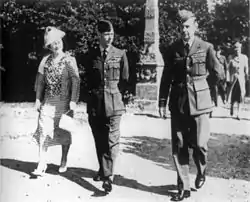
[[228, 156]]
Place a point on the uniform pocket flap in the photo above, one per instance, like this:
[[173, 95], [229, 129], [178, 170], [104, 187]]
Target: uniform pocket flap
[[198, 59], [203, 98], [200, 85], [114, 65], [114, 90]]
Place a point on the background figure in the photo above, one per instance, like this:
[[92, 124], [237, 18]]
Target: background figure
[[106, 70], [186, 69], [238, 67], [57, 91], [222, 84], [219, 88]]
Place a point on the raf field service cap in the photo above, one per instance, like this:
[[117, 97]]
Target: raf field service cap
[[104, 26], [184, 15], [52, 34]]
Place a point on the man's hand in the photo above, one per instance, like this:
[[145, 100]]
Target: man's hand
[[162, 112], [72, 106], [38, 105]]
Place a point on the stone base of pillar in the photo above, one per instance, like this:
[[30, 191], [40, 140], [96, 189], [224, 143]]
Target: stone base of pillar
[[147, 90]]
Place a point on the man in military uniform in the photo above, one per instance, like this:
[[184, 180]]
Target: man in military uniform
[[219, 88], [107, 72], [187, 66]]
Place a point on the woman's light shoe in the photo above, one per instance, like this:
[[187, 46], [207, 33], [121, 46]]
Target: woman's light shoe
[[40, 170], [63, 169]]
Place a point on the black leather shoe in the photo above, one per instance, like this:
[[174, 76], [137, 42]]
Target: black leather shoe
[[107, 185], [199, 181], [179, 184], [182, 194], [210, 115], [98, 178]]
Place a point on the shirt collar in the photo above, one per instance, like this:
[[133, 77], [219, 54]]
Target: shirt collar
[[102, 49], [190, 42]]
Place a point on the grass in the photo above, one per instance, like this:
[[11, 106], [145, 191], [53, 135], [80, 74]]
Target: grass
[[228, 156]]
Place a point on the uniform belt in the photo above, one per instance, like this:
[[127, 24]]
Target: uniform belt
[[189, 80], [96, 90]]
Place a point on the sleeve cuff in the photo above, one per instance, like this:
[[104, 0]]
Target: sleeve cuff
[[162, 103]]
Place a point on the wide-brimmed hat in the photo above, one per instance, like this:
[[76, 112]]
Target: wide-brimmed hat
[[52, 34]]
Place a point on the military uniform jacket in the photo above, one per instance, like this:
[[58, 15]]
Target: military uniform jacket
[[185, 78], [106, 81], [223, 61]]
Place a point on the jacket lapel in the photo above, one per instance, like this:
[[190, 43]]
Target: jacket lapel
[[195, 46], [110, 53], [180, 52], [98, 54]]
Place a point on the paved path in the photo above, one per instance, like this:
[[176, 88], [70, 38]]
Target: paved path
[[137, 179]]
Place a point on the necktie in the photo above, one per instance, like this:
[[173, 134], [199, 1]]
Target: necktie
[[104, 55], [187, 48]]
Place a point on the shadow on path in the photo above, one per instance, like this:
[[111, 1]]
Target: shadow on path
[[28, 167], [228, 155], [166, 190], [76, 175], [151, 115], [229, 117]]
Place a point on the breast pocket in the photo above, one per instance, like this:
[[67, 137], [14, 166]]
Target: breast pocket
[[179, 61], [199, 65], [95, 75], [114, 71]]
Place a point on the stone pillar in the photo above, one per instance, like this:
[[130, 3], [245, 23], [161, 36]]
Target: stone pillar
[[0, 85], [150, 66], [1, 69]]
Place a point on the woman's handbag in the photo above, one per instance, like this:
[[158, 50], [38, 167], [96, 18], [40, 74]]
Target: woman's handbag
[[67, 122]]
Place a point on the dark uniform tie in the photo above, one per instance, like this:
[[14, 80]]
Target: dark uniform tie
[[184, 98], [104, 55], [187, 48]]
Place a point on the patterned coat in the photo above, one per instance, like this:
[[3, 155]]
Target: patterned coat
[[106, 81], [185, 77], [69, 86], [57, 84]]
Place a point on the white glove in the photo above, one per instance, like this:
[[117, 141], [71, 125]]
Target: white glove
[[163, 112], [38, 105], [72, 106]]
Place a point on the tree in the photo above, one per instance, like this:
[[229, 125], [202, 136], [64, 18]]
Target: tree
[[232, 21], [23, 23]]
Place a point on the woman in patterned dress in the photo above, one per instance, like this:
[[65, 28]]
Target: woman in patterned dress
[[57, 92], [238, 68]]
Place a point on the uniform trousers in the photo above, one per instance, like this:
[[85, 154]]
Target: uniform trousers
[[106, 132], [216, 90], [189, 132]]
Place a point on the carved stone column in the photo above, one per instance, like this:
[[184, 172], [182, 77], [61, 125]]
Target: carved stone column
[[150, 66]]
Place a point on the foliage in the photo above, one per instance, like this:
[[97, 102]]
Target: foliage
[[232, 21], [23, 24], [168, 24]]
